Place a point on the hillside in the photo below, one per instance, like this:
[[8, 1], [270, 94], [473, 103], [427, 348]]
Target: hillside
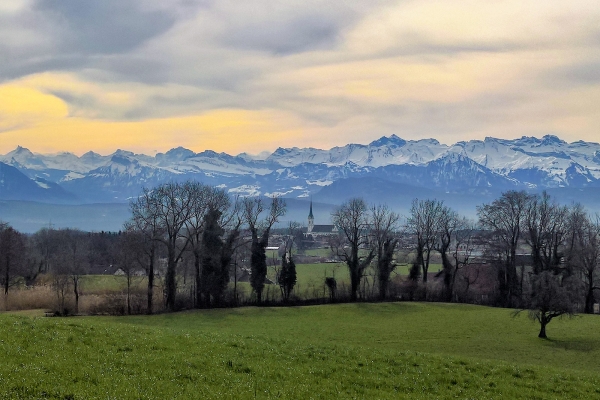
[[392, 350]]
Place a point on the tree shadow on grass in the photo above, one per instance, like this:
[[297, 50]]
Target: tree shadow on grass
[[387, 307], [580, 344]]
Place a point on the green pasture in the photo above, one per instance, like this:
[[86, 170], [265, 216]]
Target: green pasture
[[109, 283], [310, 281], [315, 274], [404, 269], [389, 350]]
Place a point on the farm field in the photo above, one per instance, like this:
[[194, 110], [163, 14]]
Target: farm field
[[386, 350]]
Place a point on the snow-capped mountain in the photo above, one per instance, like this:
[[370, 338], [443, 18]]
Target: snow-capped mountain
[[478, 166], [14, 185]]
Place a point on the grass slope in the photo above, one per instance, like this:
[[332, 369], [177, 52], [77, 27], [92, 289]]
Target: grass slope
[[393, 350]]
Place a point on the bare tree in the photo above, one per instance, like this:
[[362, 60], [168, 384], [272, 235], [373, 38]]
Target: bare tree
[[422, 221], [169, 207], [12, 247], [351, 218], [461, 251], [447, 224], [384, 227], [41, 244], [583, 252], [505, 217], [146, 223], [129, 254], [545, 223], [252, 209], [72, 259]]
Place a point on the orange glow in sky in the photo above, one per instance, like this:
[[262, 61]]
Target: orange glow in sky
[[248, 79]]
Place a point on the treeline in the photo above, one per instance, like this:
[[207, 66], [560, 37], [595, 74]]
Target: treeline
[[540, 256], [524, 251], [168, 222]]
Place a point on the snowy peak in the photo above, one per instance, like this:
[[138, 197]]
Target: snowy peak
[[22, 156], [391, 141], [491, 165], [174, 155]]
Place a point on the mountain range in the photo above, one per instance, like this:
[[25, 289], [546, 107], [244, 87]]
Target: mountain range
[[389, 169]]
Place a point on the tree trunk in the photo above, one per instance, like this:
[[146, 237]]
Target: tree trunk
[[76, 291], [589, 297], [235, 297], [426, 268], [6, 275], [198, 279], [447, 267], [259, 296], [383, 285], [129, 293], [150, 281], [354, 283], [170, 280], [543, 329]]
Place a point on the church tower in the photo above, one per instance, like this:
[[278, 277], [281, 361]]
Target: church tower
[[311, 219]]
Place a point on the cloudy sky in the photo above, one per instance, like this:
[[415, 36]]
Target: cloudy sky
[[233, 76]]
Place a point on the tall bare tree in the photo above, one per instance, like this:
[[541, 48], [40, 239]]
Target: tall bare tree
[[583, 251], [422, 222], [170, 206], [352, 220], [505, 217], [148, 229], [448, 222], [546, 227], [130, 253], [12, 248], [384, 230], [72, 258], [463, 247]]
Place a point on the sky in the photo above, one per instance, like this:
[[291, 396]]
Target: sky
[[236, 76]]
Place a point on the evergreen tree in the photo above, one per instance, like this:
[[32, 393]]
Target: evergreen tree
[[287, 275]]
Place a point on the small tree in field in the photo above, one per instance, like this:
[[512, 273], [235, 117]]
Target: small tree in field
[[551, 296]]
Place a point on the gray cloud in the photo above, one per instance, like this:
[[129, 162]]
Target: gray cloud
[[229, 54], [105, 27], [71, 34], [586, 73], [298, 34]]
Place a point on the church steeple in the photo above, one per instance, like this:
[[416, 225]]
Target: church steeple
[[311, 219]]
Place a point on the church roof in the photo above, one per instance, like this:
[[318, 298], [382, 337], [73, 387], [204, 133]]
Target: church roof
[[310, 214], [323, 229]]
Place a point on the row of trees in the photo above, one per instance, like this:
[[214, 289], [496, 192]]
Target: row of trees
[[542, 256], [563, 244], [67, 254], [214, 231], [559, 247], [201, 220]]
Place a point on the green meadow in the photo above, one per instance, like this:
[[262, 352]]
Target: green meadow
[[385, 350]]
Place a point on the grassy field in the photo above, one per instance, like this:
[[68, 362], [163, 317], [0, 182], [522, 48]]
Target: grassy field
[[390, 350]]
